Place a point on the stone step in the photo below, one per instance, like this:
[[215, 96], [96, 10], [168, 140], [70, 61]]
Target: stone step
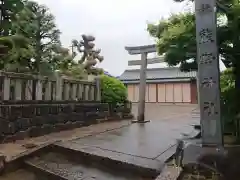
[[141, 166], [57, 166]]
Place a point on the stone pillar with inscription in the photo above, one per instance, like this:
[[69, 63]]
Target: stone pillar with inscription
[[208, 73]]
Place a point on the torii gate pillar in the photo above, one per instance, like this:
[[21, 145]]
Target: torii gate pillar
[[143, 50]]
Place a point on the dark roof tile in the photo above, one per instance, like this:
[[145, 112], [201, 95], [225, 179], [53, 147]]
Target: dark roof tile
[[157, 73]]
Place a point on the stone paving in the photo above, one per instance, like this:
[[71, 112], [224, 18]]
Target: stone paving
[[147, 145], [17, 149]]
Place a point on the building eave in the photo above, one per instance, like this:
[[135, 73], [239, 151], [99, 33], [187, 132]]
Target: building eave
[[166, 80]]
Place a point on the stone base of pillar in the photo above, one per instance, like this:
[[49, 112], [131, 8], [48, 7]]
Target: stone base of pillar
[[142, 122], [140, 119]]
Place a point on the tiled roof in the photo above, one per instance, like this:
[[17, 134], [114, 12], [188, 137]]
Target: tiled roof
[[157, 74]]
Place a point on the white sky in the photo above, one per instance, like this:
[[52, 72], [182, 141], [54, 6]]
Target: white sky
[[114, 23]]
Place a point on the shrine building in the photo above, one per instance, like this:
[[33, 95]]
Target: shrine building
[[163, 85]]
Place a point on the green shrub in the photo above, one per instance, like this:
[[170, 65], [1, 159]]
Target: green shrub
[[113, 90], [229, 108]]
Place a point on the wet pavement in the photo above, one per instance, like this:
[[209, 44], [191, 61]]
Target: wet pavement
[[148, 140], [146, 145]]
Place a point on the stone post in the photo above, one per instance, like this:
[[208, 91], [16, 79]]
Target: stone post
[[74, 91], [48, 91], [6, 88], [98, 88], [208, 72], [92, 92], [28, 90], [86, 92], [80, 90], [66, 91], [142, 88], [39, 89], [18, 89], [59, 87]]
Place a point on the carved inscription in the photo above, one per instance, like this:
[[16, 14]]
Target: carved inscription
[[206, 36], [210, 108], [207, 58], [208, 82], [205, 8]]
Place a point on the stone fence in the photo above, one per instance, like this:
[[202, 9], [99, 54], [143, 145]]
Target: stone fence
[[18, 86], [22, 119], [33, 105]]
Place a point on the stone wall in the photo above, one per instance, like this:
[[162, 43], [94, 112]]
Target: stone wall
[[22, 119]]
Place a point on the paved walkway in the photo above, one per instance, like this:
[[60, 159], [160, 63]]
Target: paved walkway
[[146, 145], [17, 149]]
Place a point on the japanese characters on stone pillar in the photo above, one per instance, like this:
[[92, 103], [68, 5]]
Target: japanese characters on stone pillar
[[208, 69]]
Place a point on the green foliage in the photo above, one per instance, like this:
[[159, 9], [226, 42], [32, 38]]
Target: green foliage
[[32, 42], [113, 90], [37, 24], [90, 56], [228, 100], [176, 36], [9, 9], [176, 40], [6, 44], [18, 54]]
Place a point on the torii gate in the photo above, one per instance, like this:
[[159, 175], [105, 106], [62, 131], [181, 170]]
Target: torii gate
[[143, 50]]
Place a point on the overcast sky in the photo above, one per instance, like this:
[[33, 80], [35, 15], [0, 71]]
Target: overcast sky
[[114, 23]]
